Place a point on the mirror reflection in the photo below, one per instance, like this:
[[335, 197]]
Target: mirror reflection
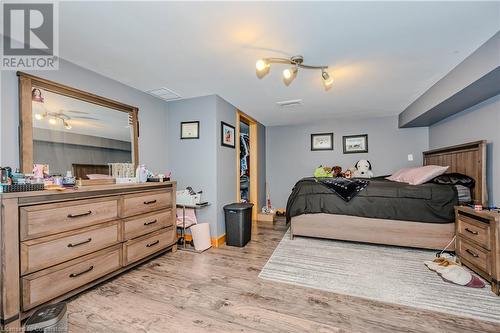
[[77, 136]]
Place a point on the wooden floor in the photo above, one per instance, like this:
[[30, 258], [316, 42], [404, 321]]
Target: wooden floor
[[219, 291]]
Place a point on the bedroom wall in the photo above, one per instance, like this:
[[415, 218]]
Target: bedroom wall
[[480, 122], [193, 161], [152, 111], [289, 158]]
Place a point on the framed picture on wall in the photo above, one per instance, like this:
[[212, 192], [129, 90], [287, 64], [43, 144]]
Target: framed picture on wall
[[227, 133], [322, 141], [190, 130], [354, 144]]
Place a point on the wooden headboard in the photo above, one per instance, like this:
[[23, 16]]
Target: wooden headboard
[[468, 159], [82, 170]]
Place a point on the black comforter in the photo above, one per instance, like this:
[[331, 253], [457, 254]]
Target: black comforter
[[382, 199]]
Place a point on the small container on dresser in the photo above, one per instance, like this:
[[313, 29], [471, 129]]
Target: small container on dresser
[[478, 243]]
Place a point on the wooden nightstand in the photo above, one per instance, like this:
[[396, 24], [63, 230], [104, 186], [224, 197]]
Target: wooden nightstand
[[478, 243]]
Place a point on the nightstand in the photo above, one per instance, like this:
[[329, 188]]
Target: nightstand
[[478, 243]]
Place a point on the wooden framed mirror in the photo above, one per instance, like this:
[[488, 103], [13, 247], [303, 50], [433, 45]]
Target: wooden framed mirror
[[70, 129]]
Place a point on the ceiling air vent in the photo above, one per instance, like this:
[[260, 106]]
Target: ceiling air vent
[[290, 103], [164, 93]]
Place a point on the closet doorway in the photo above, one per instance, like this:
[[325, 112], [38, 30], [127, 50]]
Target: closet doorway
[[247, 160]]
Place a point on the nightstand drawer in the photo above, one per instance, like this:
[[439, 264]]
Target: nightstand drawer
[[474, 230], [474, 254]]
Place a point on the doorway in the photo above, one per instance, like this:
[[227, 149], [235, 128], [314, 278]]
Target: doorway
[[247, 160]]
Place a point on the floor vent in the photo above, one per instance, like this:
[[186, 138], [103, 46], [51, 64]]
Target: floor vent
[[164, 93], [290, 103]]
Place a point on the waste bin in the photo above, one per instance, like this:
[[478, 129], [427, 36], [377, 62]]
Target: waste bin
[[238, 223]]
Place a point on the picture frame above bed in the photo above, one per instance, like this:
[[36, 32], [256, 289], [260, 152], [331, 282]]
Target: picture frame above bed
[[321, 141], [355, 144]]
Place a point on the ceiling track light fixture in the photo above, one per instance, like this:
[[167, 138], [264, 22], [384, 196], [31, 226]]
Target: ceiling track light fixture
[[263, 66]]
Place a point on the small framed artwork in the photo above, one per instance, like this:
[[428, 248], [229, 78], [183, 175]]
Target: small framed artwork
[[190, 130], [322, 141], [227, 133], [355, 144]]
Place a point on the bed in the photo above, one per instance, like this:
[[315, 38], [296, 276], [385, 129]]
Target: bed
[[390, 213]]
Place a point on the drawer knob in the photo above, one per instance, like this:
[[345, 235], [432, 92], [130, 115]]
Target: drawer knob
[[81, 243], [471, 231], [472, 253], [149, 202], [73, 275], [153, 244], [150, 222], [71, 216]]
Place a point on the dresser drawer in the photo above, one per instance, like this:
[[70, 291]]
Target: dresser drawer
[[142, 247], [134, 204], [474, 254], [138, 226], [476, 231], [45, 285], [44, 252], [43, 220]]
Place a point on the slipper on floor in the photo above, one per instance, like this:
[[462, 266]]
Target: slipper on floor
[[453, 273]]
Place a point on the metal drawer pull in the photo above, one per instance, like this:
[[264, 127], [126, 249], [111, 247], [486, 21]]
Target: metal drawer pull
[[153, 244], [151, 222], [149, 202], [79, 215], [472, 232], [472, 253], [81, 243], [72, 275]]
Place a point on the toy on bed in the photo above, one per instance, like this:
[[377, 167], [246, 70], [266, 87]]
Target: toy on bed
[[323, 172], [363, 169]]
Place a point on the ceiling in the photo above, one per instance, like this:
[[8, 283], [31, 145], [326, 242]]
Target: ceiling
[[382, 55]]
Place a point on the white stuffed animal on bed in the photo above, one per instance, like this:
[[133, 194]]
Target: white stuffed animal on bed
[[363, 169]]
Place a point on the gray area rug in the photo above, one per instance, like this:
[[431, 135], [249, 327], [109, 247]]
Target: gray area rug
[[381, 273]]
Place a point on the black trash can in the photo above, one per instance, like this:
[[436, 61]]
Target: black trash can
[[238, 223]]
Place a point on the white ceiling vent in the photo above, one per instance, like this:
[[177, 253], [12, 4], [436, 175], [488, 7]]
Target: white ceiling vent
[[290, 103], [164, 93]]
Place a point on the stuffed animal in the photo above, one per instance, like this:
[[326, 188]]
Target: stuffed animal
[[337, 171], [323, 172], [363, 169]]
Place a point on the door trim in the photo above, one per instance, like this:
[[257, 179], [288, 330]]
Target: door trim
[[254, 162]]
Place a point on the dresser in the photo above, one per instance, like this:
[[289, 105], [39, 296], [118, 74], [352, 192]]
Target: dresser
[[57, 244], [478, 243]]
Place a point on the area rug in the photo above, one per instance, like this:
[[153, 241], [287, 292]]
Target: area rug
[[382, 273]]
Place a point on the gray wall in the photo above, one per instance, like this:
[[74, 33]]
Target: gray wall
[[203, 163], [289, 158], [479, 122], [226, 163], [193, 161], [152, 111]]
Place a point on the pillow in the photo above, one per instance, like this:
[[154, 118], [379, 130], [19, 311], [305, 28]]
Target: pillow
[[418, 176], [98, 176], [454, 179]]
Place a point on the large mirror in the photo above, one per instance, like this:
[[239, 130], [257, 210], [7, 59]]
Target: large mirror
[[71, 131]]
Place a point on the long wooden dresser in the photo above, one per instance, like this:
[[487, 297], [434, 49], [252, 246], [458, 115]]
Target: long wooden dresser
[[57, 244]]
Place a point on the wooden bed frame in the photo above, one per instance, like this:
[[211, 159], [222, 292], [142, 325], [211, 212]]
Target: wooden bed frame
[[469, 159]]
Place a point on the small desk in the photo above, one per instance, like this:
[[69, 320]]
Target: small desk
[[183, 228]]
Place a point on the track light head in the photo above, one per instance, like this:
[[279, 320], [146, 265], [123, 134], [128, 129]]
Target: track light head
[[262, 67], [327, 79], [52, 121], [289, 75], [67, 125], [38, 116]]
